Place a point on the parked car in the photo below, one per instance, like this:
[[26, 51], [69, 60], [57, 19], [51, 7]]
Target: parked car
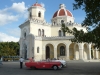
[[63, 62], [43, 65], [1, 62]]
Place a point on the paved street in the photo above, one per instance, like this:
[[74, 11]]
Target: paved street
[[76, 68]]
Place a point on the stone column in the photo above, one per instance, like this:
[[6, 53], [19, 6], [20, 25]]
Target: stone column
[[28, 52], [67, 51], [21, 53], [55, 52], [99, 55], [93, 53], [81, 51], [96, 53], [43, 53], [89, 56]]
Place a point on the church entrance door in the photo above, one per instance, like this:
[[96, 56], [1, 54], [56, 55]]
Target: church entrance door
[[47, 52]]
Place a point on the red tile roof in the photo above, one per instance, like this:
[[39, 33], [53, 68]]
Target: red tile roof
[[36, 4], [62, 12]]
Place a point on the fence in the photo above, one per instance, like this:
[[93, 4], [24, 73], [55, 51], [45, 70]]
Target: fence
[[10, 58]]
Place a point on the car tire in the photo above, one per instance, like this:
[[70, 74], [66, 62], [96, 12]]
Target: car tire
[[55, 67], [32, 67]]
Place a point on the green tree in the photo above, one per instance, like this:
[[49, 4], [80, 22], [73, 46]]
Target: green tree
[[92, 20], [9, 48]]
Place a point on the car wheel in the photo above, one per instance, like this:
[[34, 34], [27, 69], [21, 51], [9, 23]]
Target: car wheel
[[32, 67], [55, 67]]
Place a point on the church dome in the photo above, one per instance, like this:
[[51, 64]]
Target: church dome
[[37, 4], [62, 12]]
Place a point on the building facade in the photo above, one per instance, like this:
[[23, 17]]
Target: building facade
[[46, 40]]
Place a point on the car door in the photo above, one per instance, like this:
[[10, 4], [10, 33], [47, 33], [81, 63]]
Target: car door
[[38, 65], [45, 64]]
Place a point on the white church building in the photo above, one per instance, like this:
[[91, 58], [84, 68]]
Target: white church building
[[43, 40]]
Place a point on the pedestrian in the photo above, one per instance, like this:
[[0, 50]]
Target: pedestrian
[[33, 58], [21, 62]]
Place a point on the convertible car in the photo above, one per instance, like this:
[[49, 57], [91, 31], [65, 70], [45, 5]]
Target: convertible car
[[43, 64]]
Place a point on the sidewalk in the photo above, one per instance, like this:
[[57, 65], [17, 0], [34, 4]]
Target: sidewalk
[[82, 61], [93, 60]]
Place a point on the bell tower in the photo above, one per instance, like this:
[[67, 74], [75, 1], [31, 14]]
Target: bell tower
[[36, 11]]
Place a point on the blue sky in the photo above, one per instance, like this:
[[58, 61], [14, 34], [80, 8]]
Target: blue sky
[[14, 12]]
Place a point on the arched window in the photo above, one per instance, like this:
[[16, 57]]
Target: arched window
[[39, 14], [39, 32], [62, 21], [63, 33], [59, 32], [30, 15], [42, 32], [62, 51], [54, 23], [70, 22], [37, 49], [32, 49], [25, 35]]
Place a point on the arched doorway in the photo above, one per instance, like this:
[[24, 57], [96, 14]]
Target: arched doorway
[[24, 52], [61, 51], [25, 55], [47, 52], [71, 51]]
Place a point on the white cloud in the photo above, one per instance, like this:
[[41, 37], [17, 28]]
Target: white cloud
[[19, 7], [43, 5], [13, 13], [6, 38], [14, 32], [7, 18]]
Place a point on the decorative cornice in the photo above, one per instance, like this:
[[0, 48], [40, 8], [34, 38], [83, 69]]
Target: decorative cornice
[[42, 22], [67, 24], [54, 38], [24, 24]]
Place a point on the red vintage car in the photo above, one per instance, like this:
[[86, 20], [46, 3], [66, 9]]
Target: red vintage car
[[43, 64]]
